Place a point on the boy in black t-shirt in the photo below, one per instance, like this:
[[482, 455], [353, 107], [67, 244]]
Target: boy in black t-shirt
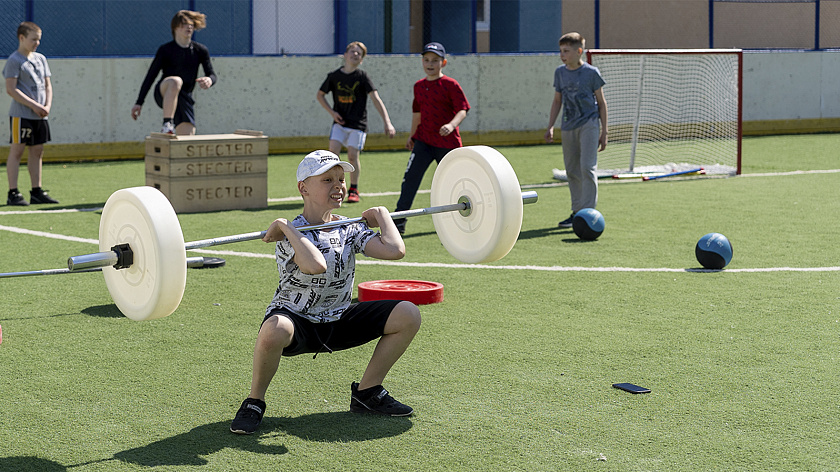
[[350, 87]]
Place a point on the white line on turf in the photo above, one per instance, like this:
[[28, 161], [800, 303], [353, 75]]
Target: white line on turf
[[43, 234], [41, 212], [440, 265], [391, 194]]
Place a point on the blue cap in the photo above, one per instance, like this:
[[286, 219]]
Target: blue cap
[[436, 48]]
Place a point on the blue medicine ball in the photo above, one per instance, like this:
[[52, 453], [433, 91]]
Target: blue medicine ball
[[588, 224], [713, 251]]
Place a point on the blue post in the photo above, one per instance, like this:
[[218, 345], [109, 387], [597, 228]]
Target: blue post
[[473, 38], [340, 39], [711, 24], [817, 25], [597, 24]]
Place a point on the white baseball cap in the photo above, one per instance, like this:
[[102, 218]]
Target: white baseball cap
[[318, 162]]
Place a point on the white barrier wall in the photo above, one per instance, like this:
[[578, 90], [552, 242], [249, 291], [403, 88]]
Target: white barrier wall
[[511, 93], [791, 85]]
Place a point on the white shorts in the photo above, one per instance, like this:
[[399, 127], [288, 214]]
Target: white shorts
[[349, 137]]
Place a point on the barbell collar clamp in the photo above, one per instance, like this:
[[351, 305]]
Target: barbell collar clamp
[[125, 256]]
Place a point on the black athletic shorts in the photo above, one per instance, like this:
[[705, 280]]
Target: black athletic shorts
[[28, 132], [360, 324], [184, 112]]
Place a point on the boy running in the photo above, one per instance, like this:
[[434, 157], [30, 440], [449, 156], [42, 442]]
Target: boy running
[[438, 108], [178, 60]]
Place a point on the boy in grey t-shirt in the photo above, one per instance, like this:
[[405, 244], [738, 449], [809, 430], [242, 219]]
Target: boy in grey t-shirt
[[578, 88], [28, 83]]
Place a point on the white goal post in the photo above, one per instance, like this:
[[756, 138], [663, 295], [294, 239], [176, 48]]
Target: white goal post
[[671, 110]]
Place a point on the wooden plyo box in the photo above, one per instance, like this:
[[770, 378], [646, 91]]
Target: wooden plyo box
[[209, 172]]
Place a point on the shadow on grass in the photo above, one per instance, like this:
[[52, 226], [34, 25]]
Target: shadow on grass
[[343, 426], [103, 311], [552, 231], [30, 463], [187, 449], [417, 235], [544, 232], [578, 241], [192, 448]]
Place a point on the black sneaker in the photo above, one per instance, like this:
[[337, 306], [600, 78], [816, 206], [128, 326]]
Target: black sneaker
[[376, 400], [400, 222], [249, 416], [567, 223], [40, 196], [15, 198]]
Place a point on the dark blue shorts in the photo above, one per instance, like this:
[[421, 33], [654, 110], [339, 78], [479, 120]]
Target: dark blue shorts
[[184, 112], [361, 323]]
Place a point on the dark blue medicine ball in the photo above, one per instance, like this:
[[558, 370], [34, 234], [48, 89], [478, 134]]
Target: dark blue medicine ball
[[588, 224], [713, 251]]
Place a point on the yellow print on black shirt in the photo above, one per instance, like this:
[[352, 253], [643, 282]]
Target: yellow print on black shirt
[[346, 94]]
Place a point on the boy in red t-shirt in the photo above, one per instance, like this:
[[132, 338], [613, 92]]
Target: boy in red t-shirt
[[439, 107]]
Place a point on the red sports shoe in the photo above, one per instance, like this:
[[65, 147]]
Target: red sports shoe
[[352, 196]]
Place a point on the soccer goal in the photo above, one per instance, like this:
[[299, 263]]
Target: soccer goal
[[671, 110]]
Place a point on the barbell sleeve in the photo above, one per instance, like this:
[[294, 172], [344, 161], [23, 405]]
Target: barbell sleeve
[[92, 261]]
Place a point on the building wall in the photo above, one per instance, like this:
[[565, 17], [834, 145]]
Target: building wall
[[702, 24], [510, 97]]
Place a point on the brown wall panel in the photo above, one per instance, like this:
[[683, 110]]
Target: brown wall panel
[[830, 24], [579, 15], [654, 24], [764, 25]]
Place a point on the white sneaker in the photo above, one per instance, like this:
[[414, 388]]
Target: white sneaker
[[168, 128]]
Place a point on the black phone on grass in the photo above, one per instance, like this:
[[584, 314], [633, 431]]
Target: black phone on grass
[[628, 387]]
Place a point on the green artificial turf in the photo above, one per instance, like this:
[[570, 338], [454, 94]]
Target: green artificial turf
[[513, 371]]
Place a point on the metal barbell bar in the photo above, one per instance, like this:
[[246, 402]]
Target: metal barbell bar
[[143, 254], [112, 258], [192, 262]]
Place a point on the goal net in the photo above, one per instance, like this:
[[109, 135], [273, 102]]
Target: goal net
[[671, 110]]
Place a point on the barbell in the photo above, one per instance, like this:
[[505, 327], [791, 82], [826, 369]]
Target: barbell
[[143, 254]]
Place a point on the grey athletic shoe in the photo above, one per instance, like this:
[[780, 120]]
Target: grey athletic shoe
[[249, 416], [376, 400]]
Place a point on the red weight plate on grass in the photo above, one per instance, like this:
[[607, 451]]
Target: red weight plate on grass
[[418, 292]]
